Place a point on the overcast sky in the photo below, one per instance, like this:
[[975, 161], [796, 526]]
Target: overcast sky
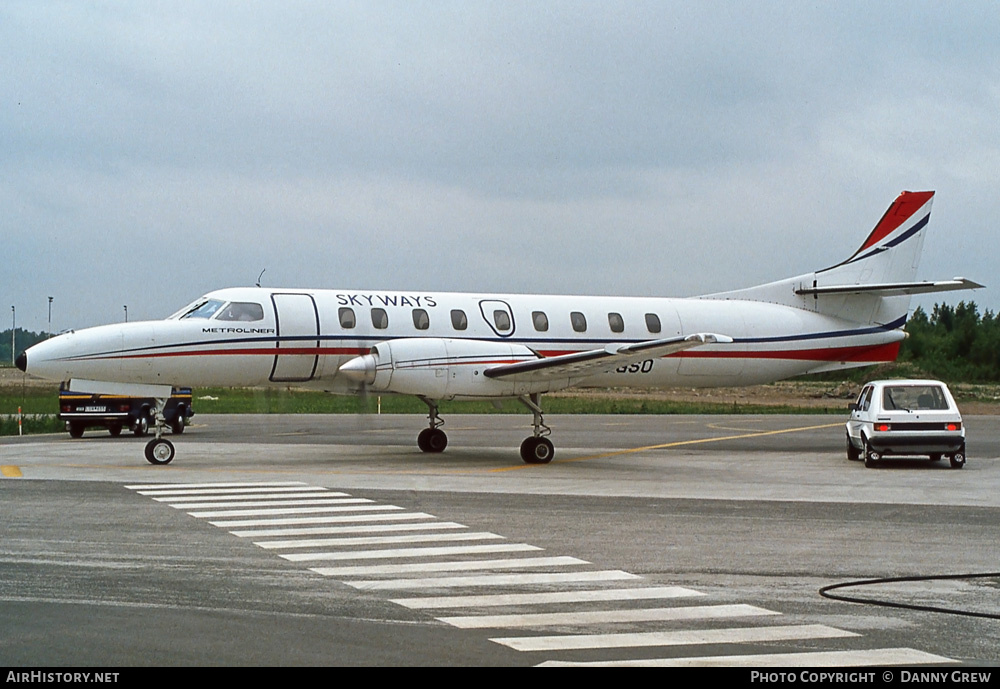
[[153, 151]]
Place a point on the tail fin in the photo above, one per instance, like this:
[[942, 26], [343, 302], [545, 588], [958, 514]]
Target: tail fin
[[891, 252], [874, 285]]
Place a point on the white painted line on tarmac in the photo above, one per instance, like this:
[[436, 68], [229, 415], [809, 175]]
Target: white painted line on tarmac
[[184, 505], [193, 499], [383, 540], [451, 566], [230, 484], [265, 511], [290, 521], [875, 657], [412, 552], [361, 529], [504, 599], [702, 612], [740, 635], [234, 491], [492, 580], [349, 518]]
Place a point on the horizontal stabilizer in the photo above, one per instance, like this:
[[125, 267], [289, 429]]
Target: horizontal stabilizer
[[96, 387], [595, 361], [891, 289]]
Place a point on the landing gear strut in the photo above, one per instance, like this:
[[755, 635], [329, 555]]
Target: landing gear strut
[[432, 439], [537, 449], [159, 450]]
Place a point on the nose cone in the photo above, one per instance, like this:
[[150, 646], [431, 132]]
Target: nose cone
[[22, 361]]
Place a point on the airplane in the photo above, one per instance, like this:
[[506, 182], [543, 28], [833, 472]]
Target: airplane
[[445, 346]]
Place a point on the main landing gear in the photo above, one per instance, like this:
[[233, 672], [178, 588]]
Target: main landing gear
[[432, 439], [159, 450], [534, 450]]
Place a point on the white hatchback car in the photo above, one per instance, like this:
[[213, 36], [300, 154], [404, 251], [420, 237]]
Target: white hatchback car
[[905, 418]]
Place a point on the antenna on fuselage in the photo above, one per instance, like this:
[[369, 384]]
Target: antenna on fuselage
[[260, 276]]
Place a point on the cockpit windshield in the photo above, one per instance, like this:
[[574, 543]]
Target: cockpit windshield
[[221, 310], [203, 308]]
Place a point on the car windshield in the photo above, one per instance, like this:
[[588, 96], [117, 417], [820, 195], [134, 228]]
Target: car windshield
[[914, 398]]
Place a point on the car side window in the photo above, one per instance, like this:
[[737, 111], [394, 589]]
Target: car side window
[[866, 399]]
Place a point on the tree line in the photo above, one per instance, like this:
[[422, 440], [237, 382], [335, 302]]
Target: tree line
[[954, 343], [22, 340]]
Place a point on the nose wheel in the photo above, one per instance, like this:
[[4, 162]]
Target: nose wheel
[[159, 450]]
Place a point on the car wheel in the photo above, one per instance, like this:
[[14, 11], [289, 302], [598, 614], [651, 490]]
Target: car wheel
[[872, 456], [853, 453], [958, 459]]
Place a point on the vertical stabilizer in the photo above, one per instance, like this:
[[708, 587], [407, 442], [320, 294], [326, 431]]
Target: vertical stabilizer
[[858, 289]]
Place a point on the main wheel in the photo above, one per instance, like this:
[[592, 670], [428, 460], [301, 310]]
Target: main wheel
[[537, 450], [872, 456], [432, 440], [159, 451], [177, 426]]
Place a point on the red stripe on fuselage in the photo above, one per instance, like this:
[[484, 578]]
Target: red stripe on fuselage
[[874, 353]]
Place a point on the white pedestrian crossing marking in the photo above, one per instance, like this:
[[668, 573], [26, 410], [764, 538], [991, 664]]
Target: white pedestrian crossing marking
[[449, 566], [300, 517], [566, 642], [876, 657], [546, 598], [493, 580], [701, 612]]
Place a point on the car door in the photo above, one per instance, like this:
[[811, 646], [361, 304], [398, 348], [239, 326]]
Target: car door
[[861, 413]]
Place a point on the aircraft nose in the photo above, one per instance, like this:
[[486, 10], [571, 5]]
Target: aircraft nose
[[22, 361]]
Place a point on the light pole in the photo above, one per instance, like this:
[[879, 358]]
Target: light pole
[[13, 329], [50, 314], [126, 312]]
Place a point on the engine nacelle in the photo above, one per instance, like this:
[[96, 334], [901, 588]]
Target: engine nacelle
[[440, 368]]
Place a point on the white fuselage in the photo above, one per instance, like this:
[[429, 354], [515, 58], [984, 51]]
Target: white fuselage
[[303, 337]]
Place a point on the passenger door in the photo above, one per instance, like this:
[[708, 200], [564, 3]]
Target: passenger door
[[297, 328]]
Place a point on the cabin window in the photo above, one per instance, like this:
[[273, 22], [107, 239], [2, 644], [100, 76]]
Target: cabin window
[[347, 318], [652, 323], [242, 311], [459, 321], [380, 319], [502, 319], [540, 321], [616, 322], [579, 321], [421, 321]]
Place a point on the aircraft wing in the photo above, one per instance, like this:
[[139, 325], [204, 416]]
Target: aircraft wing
[[604, 360], [894, 288]]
